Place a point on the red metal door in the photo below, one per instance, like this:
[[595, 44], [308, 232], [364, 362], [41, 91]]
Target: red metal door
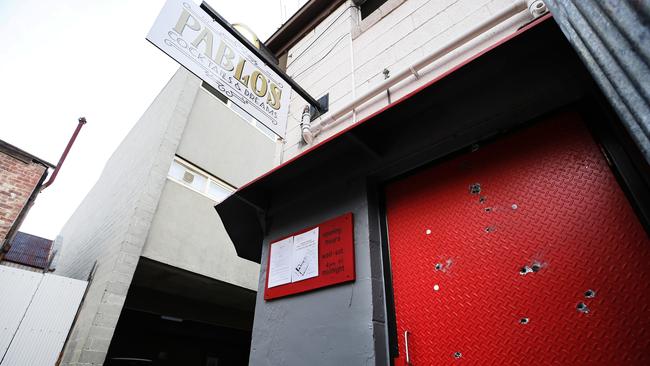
[[525, 252]]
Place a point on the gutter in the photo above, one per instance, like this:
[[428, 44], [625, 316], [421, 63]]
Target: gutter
[[309, 131], [4, 245], [23, 155]]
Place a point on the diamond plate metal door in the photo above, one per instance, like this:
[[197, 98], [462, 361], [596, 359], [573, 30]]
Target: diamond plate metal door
[[523, 252]]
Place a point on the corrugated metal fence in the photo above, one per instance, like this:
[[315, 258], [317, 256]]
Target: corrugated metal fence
[[612, 38], [36, 313]]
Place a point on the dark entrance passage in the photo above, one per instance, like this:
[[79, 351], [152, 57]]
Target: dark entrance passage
[[525, 251], [152, 339], [175, 317]]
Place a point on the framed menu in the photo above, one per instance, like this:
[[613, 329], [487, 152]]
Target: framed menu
[[311, 258]]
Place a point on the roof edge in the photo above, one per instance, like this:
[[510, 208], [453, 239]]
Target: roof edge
[[18, 151], [301, 22]]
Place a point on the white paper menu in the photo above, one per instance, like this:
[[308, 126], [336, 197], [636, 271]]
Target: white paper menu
[[280, 262], [294, 259], [305, 256]]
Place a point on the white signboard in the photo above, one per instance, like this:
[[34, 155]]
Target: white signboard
[[189, 35]]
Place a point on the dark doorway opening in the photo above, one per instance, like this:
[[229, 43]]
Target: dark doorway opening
[[176, 317], [151, 339]]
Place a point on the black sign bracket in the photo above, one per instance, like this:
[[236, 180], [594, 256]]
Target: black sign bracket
[[219, 19]]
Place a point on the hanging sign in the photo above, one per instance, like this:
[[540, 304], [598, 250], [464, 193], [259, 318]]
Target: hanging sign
[[311, 258], [189, 35]]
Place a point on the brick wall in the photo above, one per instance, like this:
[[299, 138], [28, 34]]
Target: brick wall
[[18, 179], [345, 56]]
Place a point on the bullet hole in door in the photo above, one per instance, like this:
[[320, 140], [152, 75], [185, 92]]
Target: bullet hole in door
[[582, 308], [482, 199], [524, 321], [533, 268], [490, 229], [536, 267], [457, 355], [590, 294], [475, 188], [444, 266]]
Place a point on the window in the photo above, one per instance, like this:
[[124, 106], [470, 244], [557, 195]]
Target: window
[[217, 191], [194, 178], [369, 7]]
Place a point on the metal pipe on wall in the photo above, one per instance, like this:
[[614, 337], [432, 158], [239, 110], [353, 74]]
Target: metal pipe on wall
[[82, 121], [536, 8]]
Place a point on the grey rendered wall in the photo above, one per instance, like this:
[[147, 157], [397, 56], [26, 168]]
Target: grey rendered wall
[[339, 325], [236, 151], [197, 241], [111, 224], [220, 142]]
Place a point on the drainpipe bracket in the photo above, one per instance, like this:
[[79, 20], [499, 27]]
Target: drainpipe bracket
[[536, 8]]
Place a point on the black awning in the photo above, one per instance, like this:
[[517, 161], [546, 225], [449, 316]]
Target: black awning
[[524, 76], [242, 222]]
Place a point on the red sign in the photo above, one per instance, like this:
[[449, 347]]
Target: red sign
[[335, 258]]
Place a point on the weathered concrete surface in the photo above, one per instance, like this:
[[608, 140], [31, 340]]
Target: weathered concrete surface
[[220, 142], [187, 233], [135, 210], [110, 226], [186, 230]]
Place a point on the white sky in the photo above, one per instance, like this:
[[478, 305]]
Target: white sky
[[63, 59]]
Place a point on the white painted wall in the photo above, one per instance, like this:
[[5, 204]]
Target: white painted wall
[[346, 56]]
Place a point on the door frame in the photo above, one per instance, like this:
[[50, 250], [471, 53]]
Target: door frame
[[625, 161]]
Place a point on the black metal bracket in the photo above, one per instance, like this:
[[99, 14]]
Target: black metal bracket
[[323, 103], [219, 19]]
